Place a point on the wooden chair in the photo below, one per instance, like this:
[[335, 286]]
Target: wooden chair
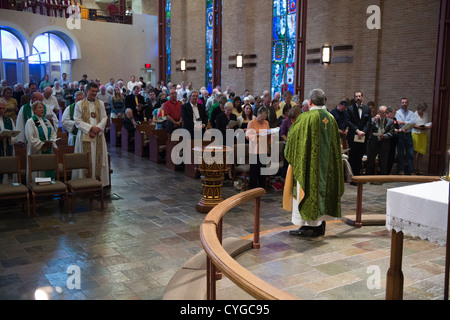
[[21, 152], [158, 145], [115, 130], [11, 165], [61, 151], [45, 162], [84, 185]]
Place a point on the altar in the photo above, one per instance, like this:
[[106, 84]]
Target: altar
[[420, 211]]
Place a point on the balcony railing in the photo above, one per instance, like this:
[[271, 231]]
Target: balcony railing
[[63, 9]]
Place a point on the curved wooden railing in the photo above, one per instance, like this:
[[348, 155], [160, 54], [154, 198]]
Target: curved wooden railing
[[360, 180], [217, 257]]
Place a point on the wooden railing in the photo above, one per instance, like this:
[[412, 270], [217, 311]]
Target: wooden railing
[[218, 258], [360, 180]]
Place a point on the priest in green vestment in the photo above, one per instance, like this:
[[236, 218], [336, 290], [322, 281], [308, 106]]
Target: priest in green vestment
[[313, 150]]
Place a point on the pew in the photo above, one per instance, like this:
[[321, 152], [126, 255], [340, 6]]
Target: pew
[[125, 137], [158, 139], [142, 139], [170, 145], [115, 130]]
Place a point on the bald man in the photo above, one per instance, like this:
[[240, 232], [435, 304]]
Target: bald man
[[381, 131], [50, 100]]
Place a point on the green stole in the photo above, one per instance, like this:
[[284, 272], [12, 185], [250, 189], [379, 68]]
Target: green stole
[[27, 114], [75, 129], [44, 150], [6, 148], [313, 149]]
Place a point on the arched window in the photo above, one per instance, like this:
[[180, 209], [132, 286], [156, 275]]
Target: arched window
[[12, 54], [50, 55], [283, 45]]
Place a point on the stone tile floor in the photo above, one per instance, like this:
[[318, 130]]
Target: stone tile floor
[[150, 228]]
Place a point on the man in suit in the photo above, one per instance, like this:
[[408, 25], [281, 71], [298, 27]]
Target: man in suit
[[136, 102], [359, 121], [130, 124], [194, 114], [381, 132]]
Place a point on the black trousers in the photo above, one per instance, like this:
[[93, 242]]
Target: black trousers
[[356, 153], [257, 180]]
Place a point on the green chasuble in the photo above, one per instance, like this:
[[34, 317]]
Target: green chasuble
[[313, 149]]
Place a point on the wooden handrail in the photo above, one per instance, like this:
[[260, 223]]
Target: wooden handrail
[[360, 180], [219, 258]]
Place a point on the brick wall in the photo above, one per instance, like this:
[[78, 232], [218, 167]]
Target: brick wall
[[394, 62], [189, 40]]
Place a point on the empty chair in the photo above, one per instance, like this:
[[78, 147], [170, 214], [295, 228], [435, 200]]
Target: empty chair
[[11, 165], [45, 162], [84, 185]]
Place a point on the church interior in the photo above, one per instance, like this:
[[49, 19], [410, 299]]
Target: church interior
[[148, 243]]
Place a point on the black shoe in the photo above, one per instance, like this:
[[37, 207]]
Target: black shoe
[[307, 231], [353, 184]]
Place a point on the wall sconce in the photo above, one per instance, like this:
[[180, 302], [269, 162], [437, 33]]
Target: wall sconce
[[326, 54], [239, 61], [183, 65]]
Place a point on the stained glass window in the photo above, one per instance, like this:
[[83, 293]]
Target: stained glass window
[[168, 39], [283, 45], [209, 43]]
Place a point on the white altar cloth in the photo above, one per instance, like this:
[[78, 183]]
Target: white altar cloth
[[419, 210]]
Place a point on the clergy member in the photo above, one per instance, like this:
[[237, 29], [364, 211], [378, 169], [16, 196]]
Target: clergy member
[[316, 175], [67, 120], [90, 119]]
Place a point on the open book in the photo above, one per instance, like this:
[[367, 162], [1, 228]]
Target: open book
[[9, 133]]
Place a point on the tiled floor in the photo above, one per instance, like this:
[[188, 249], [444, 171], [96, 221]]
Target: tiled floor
[[150, 228]]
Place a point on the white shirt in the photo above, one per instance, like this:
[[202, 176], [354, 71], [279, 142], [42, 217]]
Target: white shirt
[[131, 85], [51, 103]]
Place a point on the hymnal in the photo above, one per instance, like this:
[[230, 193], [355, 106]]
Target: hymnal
[[43, 181]]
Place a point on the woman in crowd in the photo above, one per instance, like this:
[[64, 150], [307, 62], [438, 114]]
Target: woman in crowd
[[58, 92], [419, 135], [255, 133], [40, 135], [223, 122], [117, 103], [245, 117], [237, 106], [158, 112], [11, 104]]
